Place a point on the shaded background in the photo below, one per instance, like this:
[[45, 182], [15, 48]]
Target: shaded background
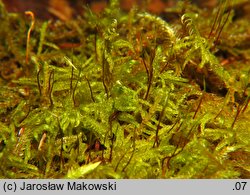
[[67, 9]]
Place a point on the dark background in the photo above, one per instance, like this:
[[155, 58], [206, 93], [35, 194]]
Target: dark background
[[67, 9]]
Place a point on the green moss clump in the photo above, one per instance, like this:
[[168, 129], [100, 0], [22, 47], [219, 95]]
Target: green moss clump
[[126, 95]]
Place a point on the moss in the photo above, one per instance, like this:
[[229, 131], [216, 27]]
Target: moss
[[126, 95]]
